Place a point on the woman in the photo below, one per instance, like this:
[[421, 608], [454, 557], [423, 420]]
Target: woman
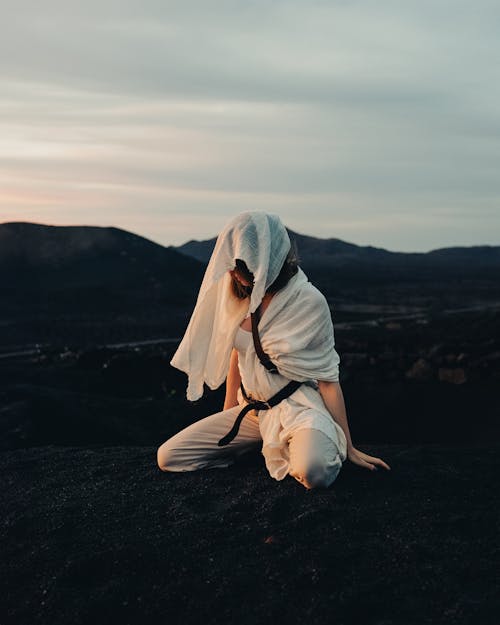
[[288, 398]]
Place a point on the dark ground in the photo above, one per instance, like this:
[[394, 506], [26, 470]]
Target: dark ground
[[404, 383], [93, 532], [102, 536]]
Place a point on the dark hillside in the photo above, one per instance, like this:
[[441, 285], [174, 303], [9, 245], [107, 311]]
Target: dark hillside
[[90, 282], [62, 258], [368, 264]]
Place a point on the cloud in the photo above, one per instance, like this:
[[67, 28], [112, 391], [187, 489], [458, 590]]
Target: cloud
[[349, 118]]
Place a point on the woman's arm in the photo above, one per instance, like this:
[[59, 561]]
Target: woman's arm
[[332, 395], [232, 382]]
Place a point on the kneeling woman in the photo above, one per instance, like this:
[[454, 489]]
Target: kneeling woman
[[263, 327]]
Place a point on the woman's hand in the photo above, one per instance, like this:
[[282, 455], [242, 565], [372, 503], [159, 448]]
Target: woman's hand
[[364, 460]]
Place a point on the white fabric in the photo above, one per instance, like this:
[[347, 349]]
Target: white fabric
[[303, 410], [261, 240], [314, 458], [296, 331], [195, 447]]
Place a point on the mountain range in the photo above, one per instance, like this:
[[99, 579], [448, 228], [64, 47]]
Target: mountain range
[[83, 255], [90, 284], [52, 276], [320, 254]]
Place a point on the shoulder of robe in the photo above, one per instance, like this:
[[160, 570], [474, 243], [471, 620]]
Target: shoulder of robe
[[312, 298], [308, 303]]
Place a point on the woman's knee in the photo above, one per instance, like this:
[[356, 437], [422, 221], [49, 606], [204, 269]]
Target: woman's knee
[[176, 456], [162, 457], [310, 478], [314, 458], [180, 452], [317, 475], [167, 458]]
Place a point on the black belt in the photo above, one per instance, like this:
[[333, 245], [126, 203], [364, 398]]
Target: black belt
[[254, 404]]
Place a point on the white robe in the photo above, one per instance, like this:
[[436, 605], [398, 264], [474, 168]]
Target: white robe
[[304, 409], [296, 331]]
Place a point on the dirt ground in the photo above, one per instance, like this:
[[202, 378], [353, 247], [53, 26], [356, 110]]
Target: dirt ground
[[100, 535]]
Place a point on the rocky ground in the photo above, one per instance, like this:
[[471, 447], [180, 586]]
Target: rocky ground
[[404, 382], [101, 536], [93, 532]]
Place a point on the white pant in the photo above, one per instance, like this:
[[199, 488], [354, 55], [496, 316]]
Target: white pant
[[314, 460]]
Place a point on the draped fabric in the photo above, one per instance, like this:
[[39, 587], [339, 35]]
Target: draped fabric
[[303, 410], [261, 241], [295, 330]]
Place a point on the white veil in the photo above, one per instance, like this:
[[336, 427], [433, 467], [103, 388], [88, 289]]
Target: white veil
[[261, 241]]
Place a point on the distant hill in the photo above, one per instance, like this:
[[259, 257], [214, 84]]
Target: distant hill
[[37, 256], [310, 249], [369, 266], [103, 284], [317, 252], [52, 275]]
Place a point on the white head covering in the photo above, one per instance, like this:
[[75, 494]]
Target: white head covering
[[261, 241]]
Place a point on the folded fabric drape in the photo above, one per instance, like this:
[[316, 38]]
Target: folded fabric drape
[[261, 240], [296, 329]]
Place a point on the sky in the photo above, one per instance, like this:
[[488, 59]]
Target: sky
[[376, 122]]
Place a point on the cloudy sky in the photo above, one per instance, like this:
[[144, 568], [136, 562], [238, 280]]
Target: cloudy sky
[[376, 122]]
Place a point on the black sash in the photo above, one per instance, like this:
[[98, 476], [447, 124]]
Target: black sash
[[254, 404]]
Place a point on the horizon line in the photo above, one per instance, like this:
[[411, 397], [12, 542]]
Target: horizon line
[[35, 223]]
